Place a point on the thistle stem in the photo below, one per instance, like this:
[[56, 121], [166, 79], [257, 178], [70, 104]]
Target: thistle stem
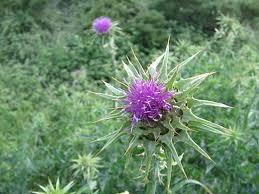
[[151, 186], [113, 48]]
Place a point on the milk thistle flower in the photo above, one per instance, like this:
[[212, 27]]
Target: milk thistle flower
[[147, 101], [155, 106], [102, 25]]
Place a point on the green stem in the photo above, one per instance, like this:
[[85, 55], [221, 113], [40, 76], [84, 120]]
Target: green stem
[[113, 48], [151, 186]]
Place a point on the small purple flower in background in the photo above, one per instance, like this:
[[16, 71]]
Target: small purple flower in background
[[102, 25], [147, 101]]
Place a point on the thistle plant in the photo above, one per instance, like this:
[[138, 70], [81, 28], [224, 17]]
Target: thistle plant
[[156, 109], [57, 189], [86, 165], [104, 27]]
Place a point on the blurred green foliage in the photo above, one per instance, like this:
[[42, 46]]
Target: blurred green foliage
[[49, 59]]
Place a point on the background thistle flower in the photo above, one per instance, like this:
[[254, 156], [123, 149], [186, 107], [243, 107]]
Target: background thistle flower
[[102, 25], [148, 96]]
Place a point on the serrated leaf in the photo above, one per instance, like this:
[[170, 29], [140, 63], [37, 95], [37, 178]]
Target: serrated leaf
[[106, 118], [68, 186], [152, 69], [197, 102], [130, 73], [201, 123], [169, 165], [114, 90], [106, 136], [175, 71], [168, 141], [133, 68], [178, 186], [192, 82], [204, 127], [112, 139], [150, 149], [139, 66], [163, 76], [178, 124], [132, 144], [107, 96], [186, 138]]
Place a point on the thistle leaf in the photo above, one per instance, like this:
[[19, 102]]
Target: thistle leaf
[[168, 141], [150, 149], [130, 73], [68, 186], [105, 137], [114, 90], [197, 102], [107, 96], [106, 118], [178, 124], [163, 71], [192, 82], [112, 139], [133, 68], [169, 164], [204, 127], [175, 71], [186, 138], [203, 124], [178, 186], [152, 69], [132, 143], [139, 66]]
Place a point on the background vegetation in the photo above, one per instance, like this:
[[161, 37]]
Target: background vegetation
[[49, 59]]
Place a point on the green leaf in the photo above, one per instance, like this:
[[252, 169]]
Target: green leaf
[[139, 66], [204, 127], [133, 68], [130, 73], [199, 123], [163, 71], [114, 90], [113, 116], [186, 138], [175, 71], [197, 102], [150, 150], [178, 186], [152, 69], [107, 96], [192, 82], [168, 141], [106, 136], [132, 143], [169, 165], [178, 124], [112, 139]]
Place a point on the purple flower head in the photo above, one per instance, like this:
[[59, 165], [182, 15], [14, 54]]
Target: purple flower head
[[147, 101], [102, 25]]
